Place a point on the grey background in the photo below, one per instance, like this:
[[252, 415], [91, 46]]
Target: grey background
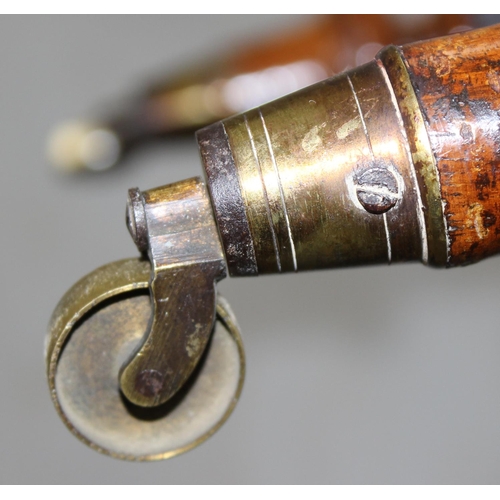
[[367, 375]]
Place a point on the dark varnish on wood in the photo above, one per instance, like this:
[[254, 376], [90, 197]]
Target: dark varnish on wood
[[457, 81]]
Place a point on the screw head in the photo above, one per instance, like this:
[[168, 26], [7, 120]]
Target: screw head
[[377, 190]]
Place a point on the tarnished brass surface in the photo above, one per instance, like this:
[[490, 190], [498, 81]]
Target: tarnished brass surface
[[228, 204], [177, 224], [325, 177], [422, 155], [94, 329]]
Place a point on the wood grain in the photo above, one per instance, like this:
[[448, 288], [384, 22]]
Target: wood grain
[[457, 82]]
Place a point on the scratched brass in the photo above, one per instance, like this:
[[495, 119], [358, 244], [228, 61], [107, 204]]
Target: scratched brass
[[95, 327], [299, 160]]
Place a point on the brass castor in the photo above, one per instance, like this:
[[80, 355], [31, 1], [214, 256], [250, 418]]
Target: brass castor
[[94, 330]]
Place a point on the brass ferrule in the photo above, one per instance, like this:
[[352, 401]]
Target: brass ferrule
[[324, 177]]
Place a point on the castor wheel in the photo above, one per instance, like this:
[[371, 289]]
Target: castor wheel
[[95, 329]]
